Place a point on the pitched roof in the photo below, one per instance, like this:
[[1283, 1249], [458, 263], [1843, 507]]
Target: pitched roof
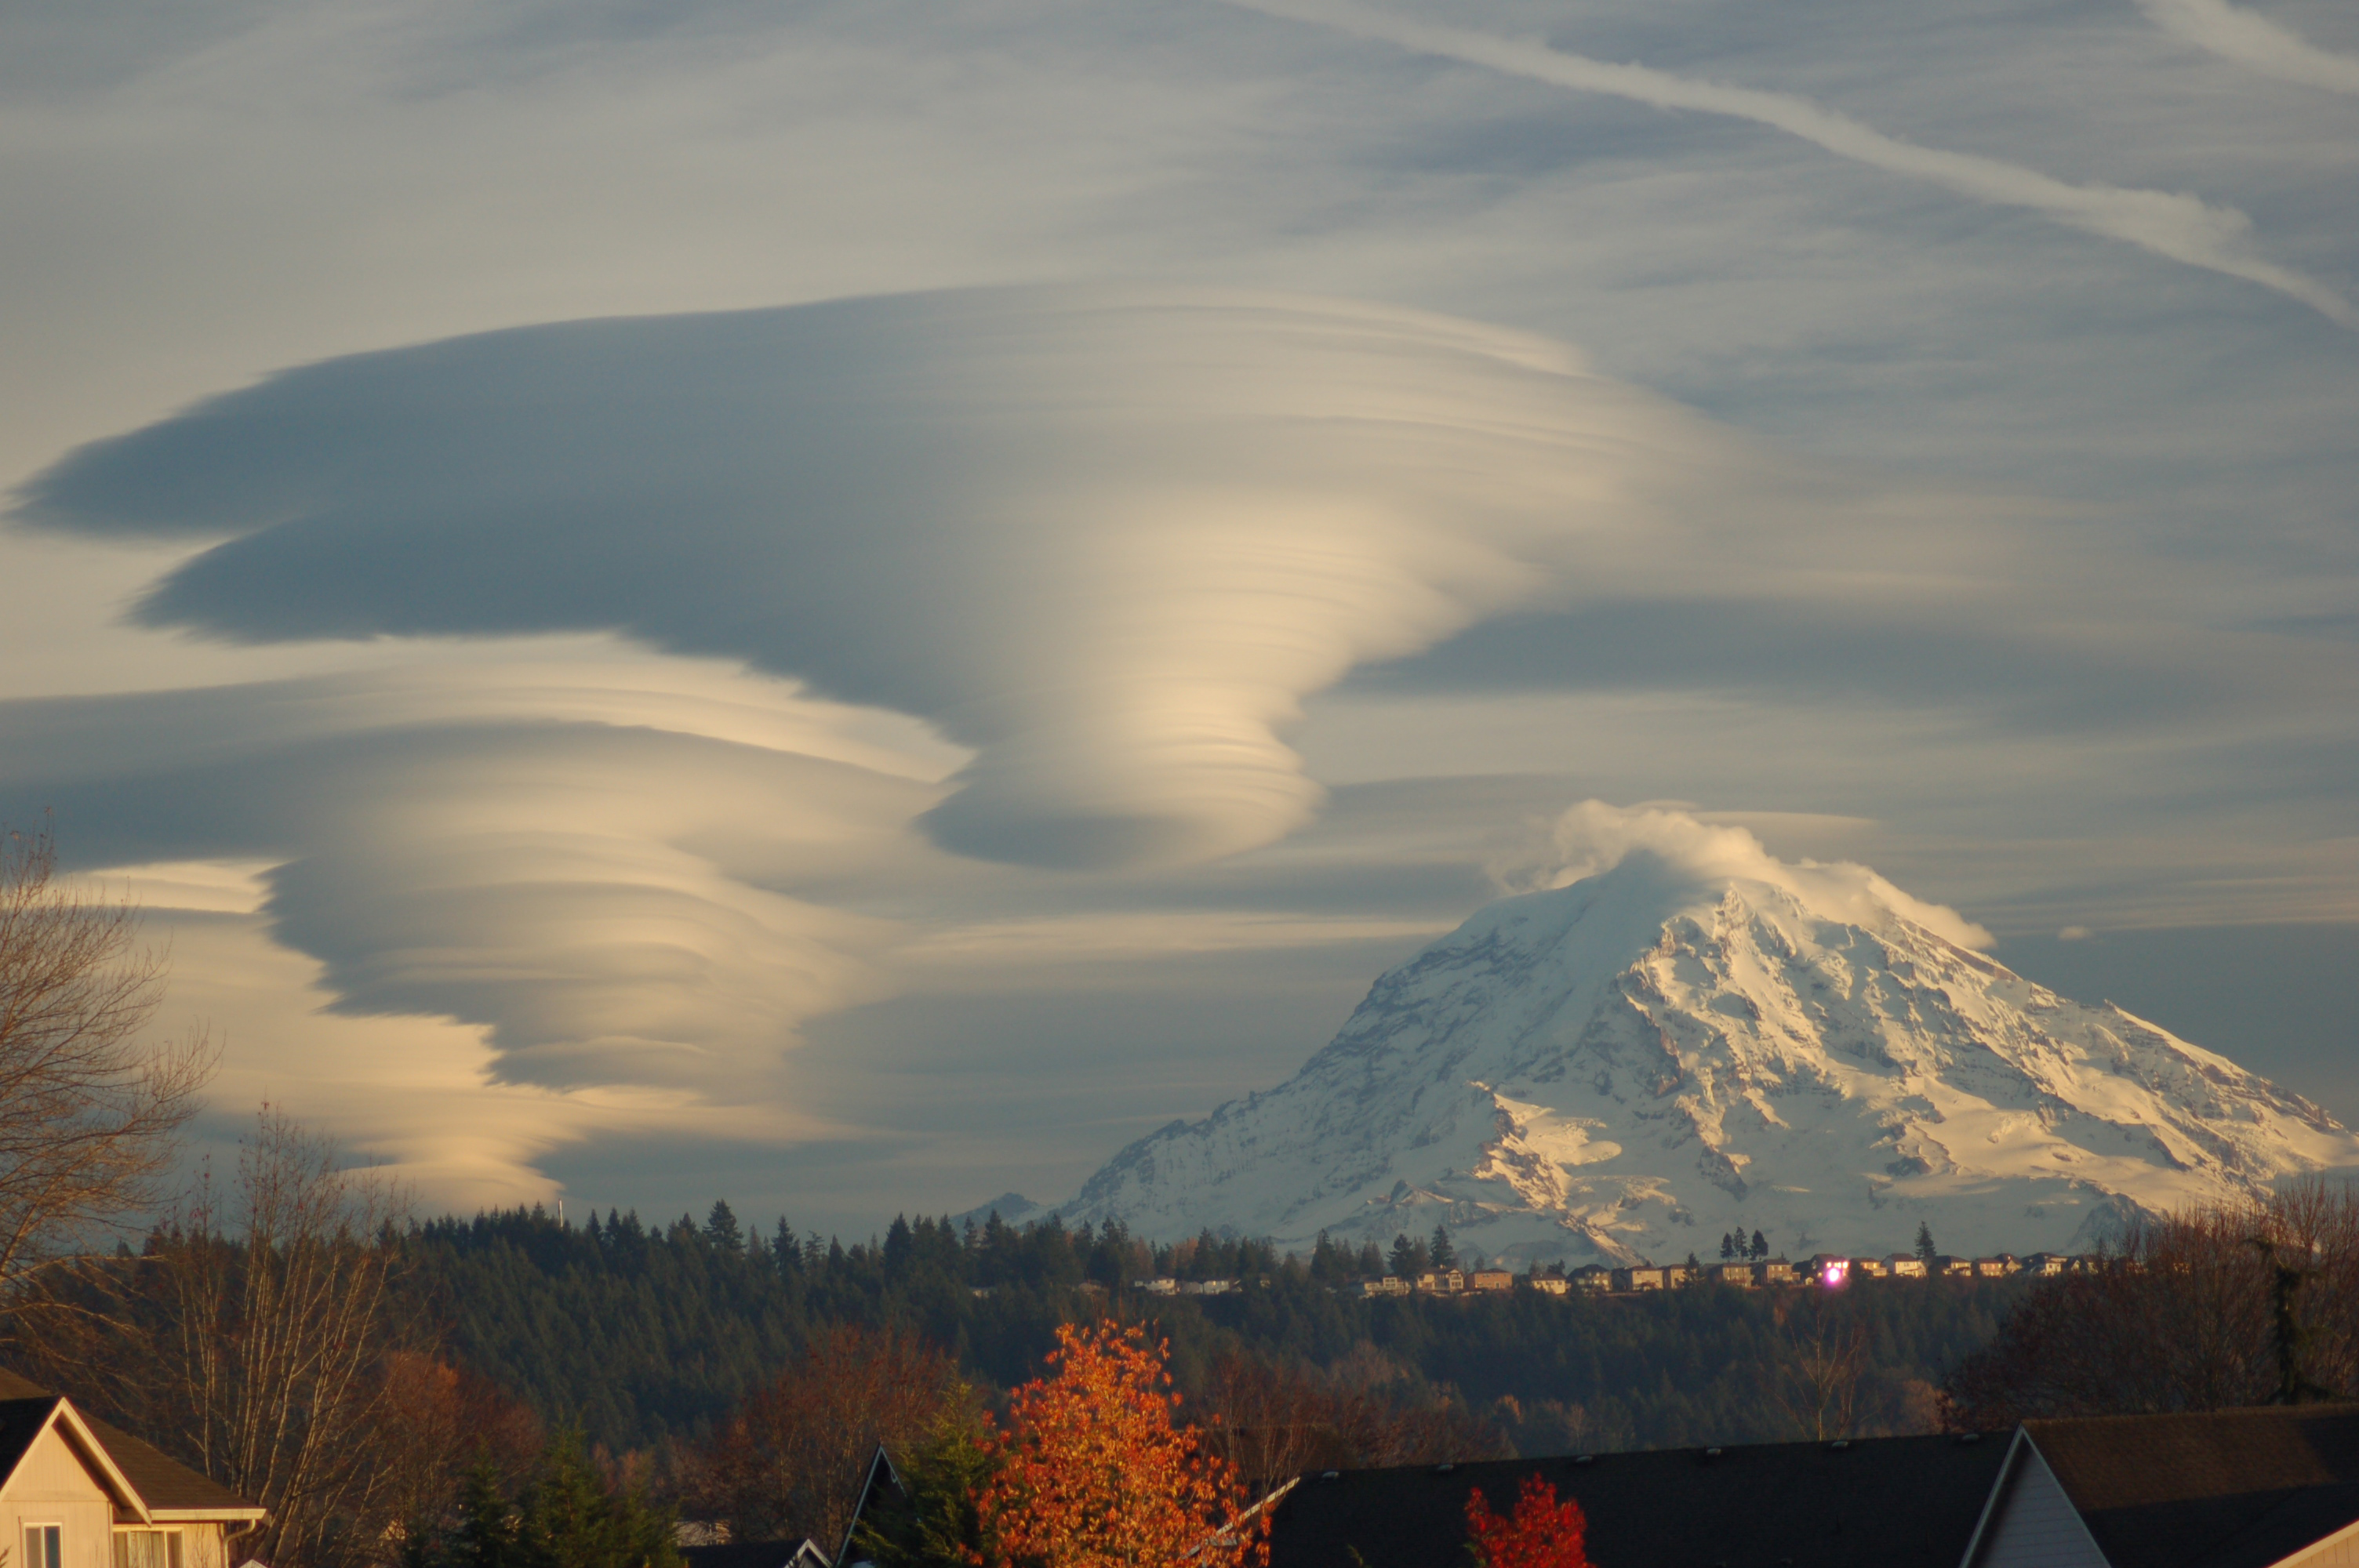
[[2219, 1490], [1891, 1502], [169, 1487], [24, 1420]]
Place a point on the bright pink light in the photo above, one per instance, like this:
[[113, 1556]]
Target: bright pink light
[[1836, 1274]]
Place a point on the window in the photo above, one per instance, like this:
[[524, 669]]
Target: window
[[45, 1546], [147, 1549]]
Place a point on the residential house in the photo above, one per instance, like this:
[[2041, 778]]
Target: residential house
[[1390, 1285], [1739, 1275], [78, 1493], [1592, 1277], [2248, 1489], [1491, 1280], [1898, 1502], [1640, 1277], [1994, 1268], [1772, 1272], [1441, 1281], [804, 1552], [2253, 1488], [2047, 1263], [1904, 1266], [1551, 1284], [1869, 1269], [1678, 1274]]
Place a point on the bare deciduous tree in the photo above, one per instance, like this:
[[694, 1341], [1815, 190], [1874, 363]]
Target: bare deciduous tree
[[1817, 1382], [2191, 1314], [788, 1460], [256, 1338], [88, 1112]]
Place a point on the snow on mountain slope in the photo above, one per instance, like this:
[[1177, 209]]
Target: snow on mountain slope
[[1701, 1038]]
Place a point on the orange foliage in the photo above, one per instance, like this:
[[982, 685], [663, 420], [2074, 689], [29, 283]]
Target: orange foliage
[[1541, 1533], [1092, 1473]]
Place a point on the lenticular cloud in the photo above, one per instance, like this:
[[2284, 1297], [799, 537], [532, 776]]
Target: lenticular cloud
[[1108, 540]]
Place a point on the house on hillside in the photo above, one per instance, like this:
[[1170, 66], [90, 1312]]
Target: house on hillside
[[1491, 1280], [1590, 1277], [76, 1493]]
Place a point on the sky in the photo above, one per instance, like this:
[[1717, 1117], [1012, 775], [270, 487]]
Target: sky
[[851, 606]]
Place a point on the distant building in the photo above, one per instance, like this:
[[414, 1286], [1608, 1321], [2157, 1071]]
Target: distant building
[[1592, 1277], [1772, 1272], [1390, 1285], [1161, 1285], [1948, 1267], [1905, 1266], [1441, 1281], [1550, 1284], [1490, 1280], [1678, 1274], [1994, 1268], [1737, 1274], [1870, 1268], [1641, 1277]]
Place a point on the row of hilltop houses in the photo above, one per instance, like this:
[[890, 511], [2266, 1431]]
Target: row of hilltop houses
[[1826, 1268]]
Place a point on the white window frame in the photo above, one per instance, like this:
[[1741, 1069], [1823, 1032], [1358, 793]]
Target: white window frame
[[176, 1554], [56, 1526]]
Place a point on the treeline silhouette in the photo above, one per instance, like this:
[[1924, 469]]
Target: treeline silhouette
[[644, 1336]]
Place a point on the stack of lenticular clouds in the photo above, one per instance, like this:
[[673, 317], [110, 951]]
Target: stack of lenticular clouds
[[927, 584]]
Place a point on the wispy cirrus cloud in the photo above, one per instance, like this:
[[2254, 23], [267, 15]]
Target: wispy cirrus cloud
[[2169, 223]]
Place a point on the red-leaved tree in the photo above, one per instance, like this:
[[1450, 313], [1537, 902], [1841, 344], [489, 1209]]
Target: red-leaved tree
[[1091, 1472], [1541, 1533]]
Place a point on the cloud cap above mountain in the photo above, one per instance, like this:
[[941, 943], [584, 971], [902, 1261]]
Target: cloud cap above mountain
[[1700, 1039]]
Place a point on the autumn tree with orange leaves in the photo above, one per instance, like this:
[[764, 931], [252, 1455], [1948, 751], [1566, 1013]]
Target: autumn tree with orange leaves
[[1541, 1533], [1091, 1472]]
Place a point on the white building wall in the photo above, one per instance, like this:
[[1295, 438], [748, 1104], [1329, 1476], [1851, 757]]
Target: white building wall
[[2035, 1525]]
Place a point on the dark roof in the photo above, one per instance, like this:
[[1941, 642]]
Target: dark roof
[[1889, 1502], [162, 1481], [2219, 1490], [749, 1554]]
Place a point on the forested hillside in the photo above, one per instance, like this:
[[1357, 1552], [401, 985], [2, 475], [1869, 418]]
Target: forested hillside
[[642, 1335]]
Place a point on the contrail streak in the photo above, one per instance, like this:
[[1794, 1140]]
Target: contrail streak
[[2168, 224], [2254, 42]]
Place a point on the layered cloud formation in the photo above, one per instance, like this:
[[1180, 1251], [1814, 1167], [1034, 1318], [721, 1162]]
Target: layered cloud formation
[[1107, 540]]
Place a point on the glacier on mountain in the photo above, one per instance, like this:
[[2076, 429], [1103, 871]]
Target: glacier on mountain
[[1696, 1037]]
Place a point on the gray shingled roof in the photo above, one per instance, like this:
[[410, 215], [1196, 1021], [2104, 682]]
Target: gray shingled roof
[[2219, 1490], [162, 1481], [1891, 1502]]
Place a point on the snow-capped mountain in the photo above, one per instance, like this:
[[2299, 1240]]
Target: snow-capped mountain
[[1703, 1038]]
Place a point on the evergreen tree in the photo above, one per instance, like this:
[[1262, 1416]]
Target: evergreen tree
[[1409, 1258], [1445, 1255], [721, 1229], [1760, 1245], [1371, 1261], [486, 1533], [936, 1526], [1727, 1246], [1925, 1242]]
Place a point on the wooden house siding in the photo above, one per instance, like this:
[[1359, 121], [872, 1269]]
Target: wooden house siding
[[2034, 1524], [52, 1485]]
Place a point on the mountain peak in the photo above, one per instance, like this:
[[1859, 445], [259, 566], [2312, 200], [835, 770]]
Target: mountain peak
[[1690, 1036]]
